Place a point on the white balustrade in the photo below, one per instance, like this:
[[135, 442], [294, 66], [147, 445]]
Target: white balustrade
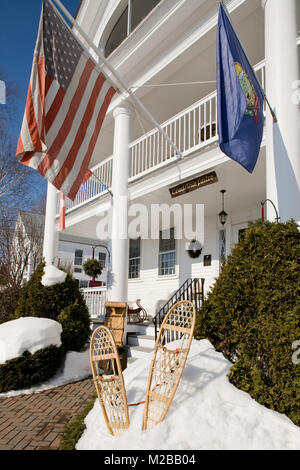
[[95, 299], [97, 184]]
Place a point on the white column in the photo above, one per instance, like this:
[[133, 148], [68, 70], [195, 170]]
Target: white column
[[283, 138], [50, 235], [118, 278]]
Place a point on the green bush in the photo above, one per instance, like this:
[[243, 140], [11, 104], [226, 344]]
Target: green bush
[[30, 369], [8, 302], [51, 302], [76, 326], [252, 315]]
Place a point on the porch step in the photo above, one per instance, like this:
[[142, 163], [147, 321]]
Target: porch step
[[131, 360], [141, 340], [146, 328], [139, 351]]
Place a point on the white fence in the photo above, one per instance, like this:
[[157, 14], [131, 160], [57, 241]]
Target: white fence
[[191, 129], [95, 299]]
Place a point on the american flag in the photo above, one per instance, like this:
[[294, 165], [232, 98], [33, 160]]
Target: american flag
[[66, 104], [62, 213]]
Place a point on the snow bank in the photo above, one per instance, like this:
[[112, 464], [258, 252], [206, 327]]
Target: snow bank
[[27, 334], [207, 413]]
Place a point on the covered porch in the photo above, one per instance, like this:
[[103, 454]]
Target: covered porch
[[154, 276]]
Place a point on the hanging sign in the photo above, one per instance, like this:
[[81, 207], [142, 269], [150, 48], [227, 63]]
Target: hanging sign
[[194, 184]]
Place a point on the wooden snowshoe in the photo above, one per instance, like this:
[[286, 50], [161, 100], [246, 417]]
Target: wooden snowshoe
[[108, 380], [167, 364]]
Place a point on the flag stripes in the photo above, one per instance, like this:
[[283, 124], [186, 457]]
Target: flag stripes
[[64, 112], [76, 185], [66, 127], [84, 132], [62, 213]]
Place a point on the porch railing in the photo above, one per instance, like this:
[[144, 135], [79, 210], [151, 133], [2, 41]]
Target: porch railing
[[191, 130], [95, 299]]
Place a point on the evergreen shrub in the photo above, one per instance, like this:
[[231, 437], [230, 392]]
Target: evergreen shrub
[[62, 302], [75, 322], [252, 315], [30, 369], [9, 297]]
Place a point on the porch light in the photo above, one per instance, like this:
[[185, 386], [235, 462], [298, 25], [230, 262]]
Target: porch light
[[223, 215]]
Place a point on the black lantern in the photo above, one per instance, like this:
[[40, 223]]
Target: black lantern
[[223, 215]]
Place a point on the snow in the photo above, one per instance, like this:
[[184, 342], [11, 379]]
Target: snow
[[27, 334], [207, 412], [77, 367], [53, 276]]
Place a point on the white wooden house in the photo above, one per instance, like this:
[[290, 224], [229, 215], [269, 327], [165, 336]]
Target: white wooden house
[[174, 42]]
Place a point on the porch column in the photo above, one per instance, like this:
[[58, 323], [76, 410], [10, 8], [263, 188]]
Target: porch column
[[283, 138], [118, 279], [50, 248]]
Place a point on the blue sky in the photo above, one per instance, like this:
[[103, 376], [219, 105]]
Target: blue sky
[[19, 20]]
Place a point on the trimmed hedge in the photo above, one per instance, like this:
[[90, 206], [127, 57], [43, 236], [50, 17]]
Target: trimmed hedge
[[62, 302], [252, 315], [30, 369], [75, 322], [73, 430]]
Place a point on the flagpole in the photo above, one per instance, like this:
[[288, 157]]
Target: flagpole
[[263, 91], [103, 184], [271, 110], [114, 73]]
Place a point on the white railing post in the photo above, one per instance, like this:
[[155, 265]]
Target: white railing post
[[95, 299]]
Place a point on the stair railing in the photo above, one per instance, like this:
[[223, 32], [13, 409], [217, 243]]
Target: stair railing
[[191, 289]]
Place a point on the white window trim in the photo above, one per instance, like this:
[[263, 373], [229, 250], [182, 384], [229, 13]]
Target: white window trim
[[74, 257], [136, 279], [176, 273]]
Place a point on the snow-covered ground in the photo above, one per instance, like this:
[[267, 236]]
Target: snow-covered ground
[[207, 413], [76, 367], [27, 334]]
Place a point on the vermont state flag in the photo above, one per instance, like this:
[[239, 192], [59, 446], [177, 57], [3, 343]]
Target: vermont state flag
[[240, 98]]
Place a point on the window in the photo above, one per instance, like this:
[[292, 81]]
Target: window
[[167, 253], [83, 284], [102, 259], [131, 17], [78, 258], [134, 258]]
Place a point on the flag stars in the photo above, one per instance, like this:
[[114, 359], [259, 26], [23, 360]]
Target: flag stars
[[62, 51]]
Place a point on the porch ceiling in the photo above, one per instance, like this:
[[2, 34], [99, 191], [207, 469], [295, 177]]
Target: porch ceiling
[[243, 191]]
